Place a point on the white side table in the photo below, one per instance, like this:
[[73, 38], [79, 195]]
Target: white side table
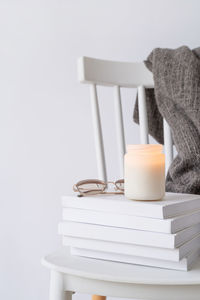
[[75, 274]]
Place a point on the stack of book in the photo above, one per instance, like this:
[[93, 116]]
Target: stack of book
[[163, 234]]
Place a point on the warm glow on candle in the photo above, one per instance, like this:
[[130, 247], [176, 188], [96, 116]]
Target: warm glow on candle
[[144, 168]]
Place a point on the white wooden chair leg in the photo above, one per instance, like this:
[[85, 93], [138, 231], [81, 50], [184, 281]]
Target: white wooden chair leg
[[57, 291]]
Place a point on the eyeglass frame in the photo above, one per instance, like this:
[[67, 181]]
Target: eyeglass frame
[[93, 192]]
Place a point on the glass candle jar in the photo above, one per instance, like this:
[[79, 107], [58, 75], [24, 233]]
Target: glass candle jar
[[144, 172]]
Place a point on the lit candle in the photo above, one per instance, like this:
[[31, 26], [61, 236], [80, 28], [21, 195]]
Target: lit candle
[[144, 172]]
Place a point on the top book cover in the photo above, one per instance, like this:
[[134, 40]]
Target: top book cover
[[173, 204]]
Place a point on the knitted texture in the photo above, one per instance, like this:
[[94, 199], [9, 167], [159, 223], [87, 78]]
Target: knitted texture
[[176, 97]]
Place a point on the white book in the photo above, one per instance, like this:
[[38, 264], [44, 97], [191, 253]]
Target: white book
[[130, 236], [171, 225], [135, 250], [173, 204], [183, 265]]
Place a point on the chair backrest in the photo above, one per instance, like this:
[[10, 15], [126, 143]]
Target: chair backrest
[[119, 74]]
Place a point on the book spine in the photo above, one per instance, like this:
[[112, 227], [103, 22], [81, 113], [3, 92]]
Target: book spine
[[129, 249], [117, 220], [130, 236], [92, 203], [181, 265], [187, 234]]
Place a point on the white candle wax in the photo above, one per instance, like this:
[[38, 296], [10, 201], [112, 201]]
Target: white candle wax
[[144, 172]]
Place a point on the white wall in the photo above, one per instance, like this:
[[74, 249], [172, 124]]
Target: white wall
[[45, 122]]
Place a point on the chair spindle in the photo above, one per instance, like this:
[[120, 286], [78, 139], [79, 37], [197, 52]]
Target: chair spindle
[[119, 128], [101, 164], [168, 143], [144, 137]]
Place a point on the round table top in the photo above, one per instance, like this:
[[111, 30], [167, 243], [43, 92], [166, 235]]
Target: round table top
[[64, 262]]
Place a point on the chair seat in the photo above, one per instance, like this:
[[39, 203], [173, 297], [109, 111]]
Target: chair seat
[[63, 262], [115, 279]]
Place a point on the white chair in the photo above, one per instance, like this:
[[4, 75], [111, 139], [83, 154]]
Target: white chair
[[73, 274]]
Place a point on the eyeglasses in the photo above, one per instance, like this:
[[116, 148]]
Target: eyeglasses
[[95, 187]]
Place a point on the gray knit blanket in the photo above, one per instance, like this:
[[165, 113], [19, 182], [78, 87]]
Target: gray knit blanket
[[176, 97]]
